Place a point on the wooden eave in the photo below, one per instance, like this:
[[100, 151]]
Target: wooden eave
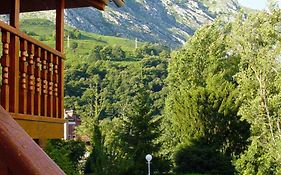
[[41, 5]]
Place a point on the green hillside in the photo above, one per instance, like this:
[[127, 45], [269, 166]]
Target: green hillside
[[44, 30]]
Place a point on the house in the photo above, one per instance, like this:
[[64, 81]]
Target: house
[[32, 91], [72, 121]]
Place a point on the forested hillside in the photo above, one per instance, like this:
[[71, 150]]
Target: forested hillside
[[220, 101], [210, 107]]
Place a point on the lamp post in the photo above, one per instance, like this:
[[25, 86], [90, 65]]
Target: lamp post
[[148, 157]]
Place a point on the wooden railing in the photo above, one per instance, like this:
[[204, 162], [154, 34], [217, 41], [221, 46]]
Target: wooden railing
[[32, 77], [19, 154]]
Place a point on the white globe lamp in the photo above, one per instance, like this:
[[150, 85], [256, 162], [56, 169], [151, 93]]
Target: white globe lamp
[[148, 158]]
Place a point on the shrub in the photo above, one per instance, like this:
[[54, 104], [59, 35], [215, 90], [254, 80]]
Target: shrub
[[202, 158], [66, 154]]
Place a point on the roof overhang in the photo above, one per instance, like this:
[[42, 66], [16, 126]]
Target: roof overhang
[[41, 5]]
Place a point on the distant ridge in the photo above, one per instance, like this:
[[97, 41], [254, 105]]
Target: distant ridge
[[169, 22]]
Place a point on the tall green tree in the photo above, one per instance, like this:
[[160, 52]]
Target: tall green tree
[[256, 39], [139, 133], [92, 105], [201, 106], [97, 161]]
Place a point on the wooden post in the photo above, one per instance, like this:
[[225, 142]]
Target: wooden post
[[5, 62], [23, 77], [31, 80], [38, 85], [61, 88], [15, 14], [56, 80], [50, 86], [60, 25], [60, 47], [44, 106], [14, 59]]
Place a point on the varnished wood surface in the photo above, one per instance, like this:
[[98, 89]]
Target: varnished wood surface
[[32, 74], [20, 154], [60, 25], [30, 39], [39, 5]]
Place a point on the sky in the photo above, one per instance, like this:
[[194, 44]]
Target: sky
[[255, 4]]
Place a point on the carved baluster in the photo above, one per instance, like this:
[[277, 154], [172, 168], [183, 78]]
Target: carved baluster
[[30, 72], [44, 84], [50, 87], [38, 86], [23, 77], [5, 62], [56, 79], [61, 87]]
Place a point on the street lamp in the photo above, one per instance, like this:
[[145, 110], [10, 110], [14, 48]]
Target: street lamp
[[148, 157]]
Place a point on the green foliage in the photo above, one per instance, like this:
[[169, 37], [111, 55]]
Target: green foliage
[[139, 132], [199, 157], [220, 109], [94, 54], [66, 154], [73, 34], [96, 163], [256, 39], [103, 91], [202, 102], [150, 50], [74, 46], [110, 85], [106, 157]]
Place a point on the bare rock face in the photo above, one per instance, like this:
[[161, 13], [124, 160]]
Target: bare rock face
[[169, 22]]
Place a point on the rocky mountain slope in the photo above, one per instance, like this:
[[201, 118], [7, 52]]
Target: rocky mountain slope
[[169, 22]]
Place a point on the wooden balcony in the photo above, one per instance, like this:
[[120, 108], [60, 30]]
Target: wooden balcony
[[32, 83]]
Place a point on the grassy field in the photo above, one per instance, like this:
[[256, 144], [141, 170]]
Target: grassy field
[[44, 30]]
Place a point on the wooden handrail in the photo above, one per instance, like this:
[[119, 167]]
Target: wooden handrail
[[32, 75], [30, 39], [37, 118], [19, 153]]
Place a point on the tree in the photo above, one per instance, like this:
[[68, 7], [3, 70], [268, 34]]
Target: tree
[[273, 5], [74, 34], [97, 161], [106, 53], [256, 39], [95, 54], [139, 133], [202, 105], [74, 46], [118, 53], [67, 154], [92, 106]]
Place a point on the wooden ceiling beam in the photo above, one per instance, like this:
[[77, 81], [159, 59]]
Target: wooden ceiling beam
[[41, 5], [99, 4]]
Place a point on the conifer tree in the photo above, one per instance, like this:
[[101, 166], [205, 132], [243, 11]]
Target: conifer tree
[[140, 129]]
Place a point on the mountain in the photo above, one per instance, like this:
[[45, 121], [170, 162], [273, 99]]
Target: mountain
[[169, 22]]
